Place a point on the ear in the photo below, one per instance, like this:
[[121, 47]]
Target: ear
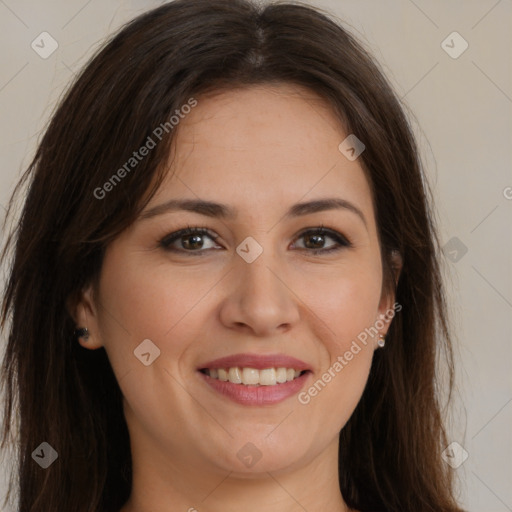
[[397, 264], [387, 300], [84, 312]]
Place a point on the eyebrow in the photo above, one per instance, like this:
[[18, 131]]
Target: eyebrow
[[222, 211]]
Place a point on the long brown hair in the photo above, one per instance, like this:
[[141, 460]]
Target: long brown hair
[[59, 393]]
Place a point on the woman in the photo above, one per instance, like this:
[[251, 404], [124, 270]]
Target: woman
[[225, 290]]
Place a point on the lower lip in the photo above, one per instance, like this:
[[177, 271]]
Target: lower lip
[[257, 395]]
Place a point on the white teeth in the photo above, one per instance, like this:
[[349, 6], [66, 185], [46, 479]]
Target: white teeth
[[235, 375], [249, 376], [268, 377], [254, 377], [281, 375]]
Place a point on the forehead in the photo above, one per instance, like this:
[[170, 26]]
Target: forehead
[[262, 146]]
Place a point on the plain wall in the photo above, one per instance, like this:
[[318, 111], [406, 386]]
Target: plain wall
[[462, 108]]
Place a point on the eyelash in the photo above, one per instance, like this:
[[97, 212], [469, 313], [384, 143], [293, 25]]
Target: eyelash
[[166, 242]]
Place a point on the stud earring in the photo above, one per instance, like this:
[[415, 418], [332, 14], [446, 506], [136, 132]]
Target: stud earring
[[382, 341], [82, 332]]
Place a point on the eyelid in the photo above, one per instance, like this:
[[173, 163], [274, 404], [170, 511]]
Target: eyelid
[[189, 230], [341, 240]]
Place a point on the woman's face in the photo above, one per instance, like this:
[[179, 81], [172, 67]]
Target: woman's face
[[251, 286]]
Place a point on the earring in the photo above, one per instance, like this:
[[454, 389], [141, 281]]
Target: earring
[[82, 332], [382, 341]]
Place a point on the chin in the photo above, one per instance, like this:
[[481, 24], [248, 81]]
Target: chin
[[249, 461]]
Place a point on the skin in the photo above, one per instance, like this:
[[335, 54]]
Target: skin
[[259, 150]]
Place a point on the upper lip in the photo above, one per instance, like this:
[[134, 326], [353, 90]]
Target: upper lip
[[257, 361]]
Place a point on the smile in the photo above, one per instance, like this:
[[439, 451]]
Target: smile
[[252, 376]]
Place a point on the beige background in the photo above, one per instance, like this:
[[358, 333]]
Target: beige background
[[463, 110]]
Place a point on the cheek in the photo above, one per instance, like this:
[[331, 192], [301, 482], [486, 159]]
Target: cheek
[[347, 301], [341, 388], [347, 305], [149, 299], [140, 302], [349, 310]]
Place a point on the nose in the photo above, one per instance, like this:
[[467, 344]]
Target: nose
[[259, 299]]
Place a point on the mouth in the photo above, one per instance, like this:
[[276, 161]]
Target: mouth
[[248, 376], [254, 379]]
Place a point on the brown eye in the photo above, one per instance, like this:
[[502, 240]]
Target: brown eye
[[192, 241], [189, 240], [315, 240]]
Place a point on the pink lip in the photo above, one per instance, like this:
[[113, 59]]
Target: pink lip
[[256, 395], [259, 362]]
